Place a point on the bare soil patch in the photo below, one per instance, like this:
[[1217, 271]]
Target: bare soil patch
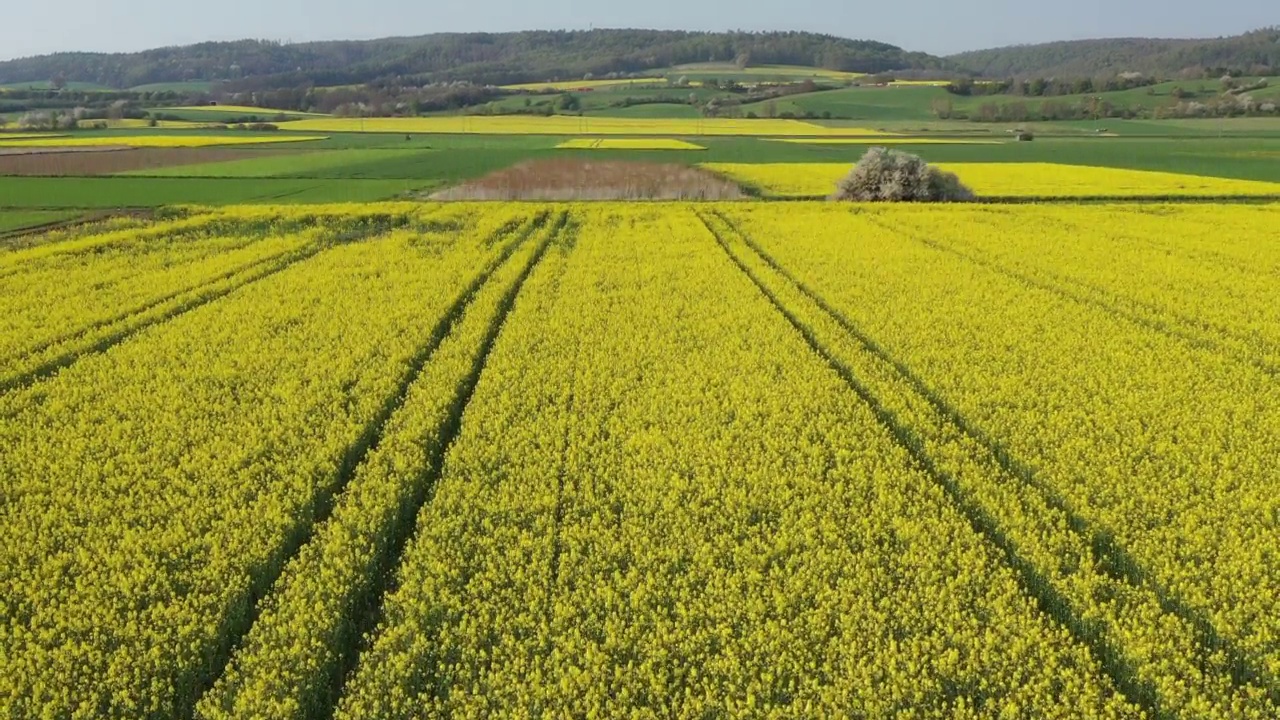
[[107, 160], [576, 179]]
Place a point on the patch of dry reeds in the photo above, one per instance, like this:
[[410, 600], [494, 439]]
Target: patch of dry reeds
[[578, 179]]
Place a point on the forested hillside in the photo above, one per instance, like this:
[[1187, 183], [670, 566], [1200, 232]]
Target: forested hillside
[[1254, 53], [478, 57]]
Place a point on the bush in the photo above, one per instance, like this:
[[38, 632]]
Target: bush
[[884, 175]]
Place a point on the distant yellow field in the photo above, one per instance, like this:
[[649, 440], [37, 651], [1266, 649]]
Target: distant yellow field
[[920, 83], [628, 144], [572, 125], [933, 83], [229, 138], [593, 84], [886, 141], [1005, 180]]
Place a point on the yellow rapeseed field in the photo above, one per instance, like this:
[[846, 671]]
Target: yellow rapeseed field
[[628, 144], [919, 83], [931, 83], [160, 141], [674, 460], [1006, 180], [573, 125]]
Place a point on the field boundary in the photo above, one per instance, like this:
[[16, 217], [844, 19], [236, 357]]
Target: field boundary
[[1031, 582], [374, 604], [235, 629], [557, 543]]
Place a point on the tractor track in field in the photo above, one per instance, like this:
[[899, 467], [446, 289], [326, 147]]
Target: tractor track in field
[[373, 606], [182, 302], [557, 526], [1122, 569], [1196, 334], [156, 302], [237, 629], [142, 234], [212, 291], [13, 237], [1201, 256]]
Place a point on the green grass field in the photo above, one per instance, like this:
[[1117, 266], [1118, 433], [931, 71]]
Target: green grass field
[[323, 163], [195, 86], [214, 114], [11, 221], [862, 103], [656, 110]]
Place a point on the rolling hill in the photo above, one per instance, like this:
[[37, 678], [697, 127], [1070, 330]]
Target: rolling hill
[[497, 58], [1253, 53]]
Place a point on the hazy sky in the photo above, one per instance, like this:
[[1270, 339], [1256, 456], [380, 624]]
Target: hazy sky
[[936, 26]]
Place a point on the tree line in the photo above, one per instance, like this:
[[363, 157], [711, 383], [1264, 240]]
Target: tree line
[[1253, 53], [481, 58]]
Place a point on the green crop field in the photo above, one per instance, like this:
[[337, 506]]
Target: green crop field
[[861, 103], [216, 114], [193, 86], [351, 163], [648, 110], [22, 219], [128, 192]]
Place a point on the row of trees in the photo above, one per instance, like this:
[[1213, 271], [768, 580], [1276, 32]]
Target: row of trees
[[1255, 53], [1050, 87]]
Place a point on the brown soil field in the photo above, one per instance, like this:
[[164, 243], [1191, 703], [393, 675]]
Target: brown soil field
[[108, 160], [49, 150], [589, 180]]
